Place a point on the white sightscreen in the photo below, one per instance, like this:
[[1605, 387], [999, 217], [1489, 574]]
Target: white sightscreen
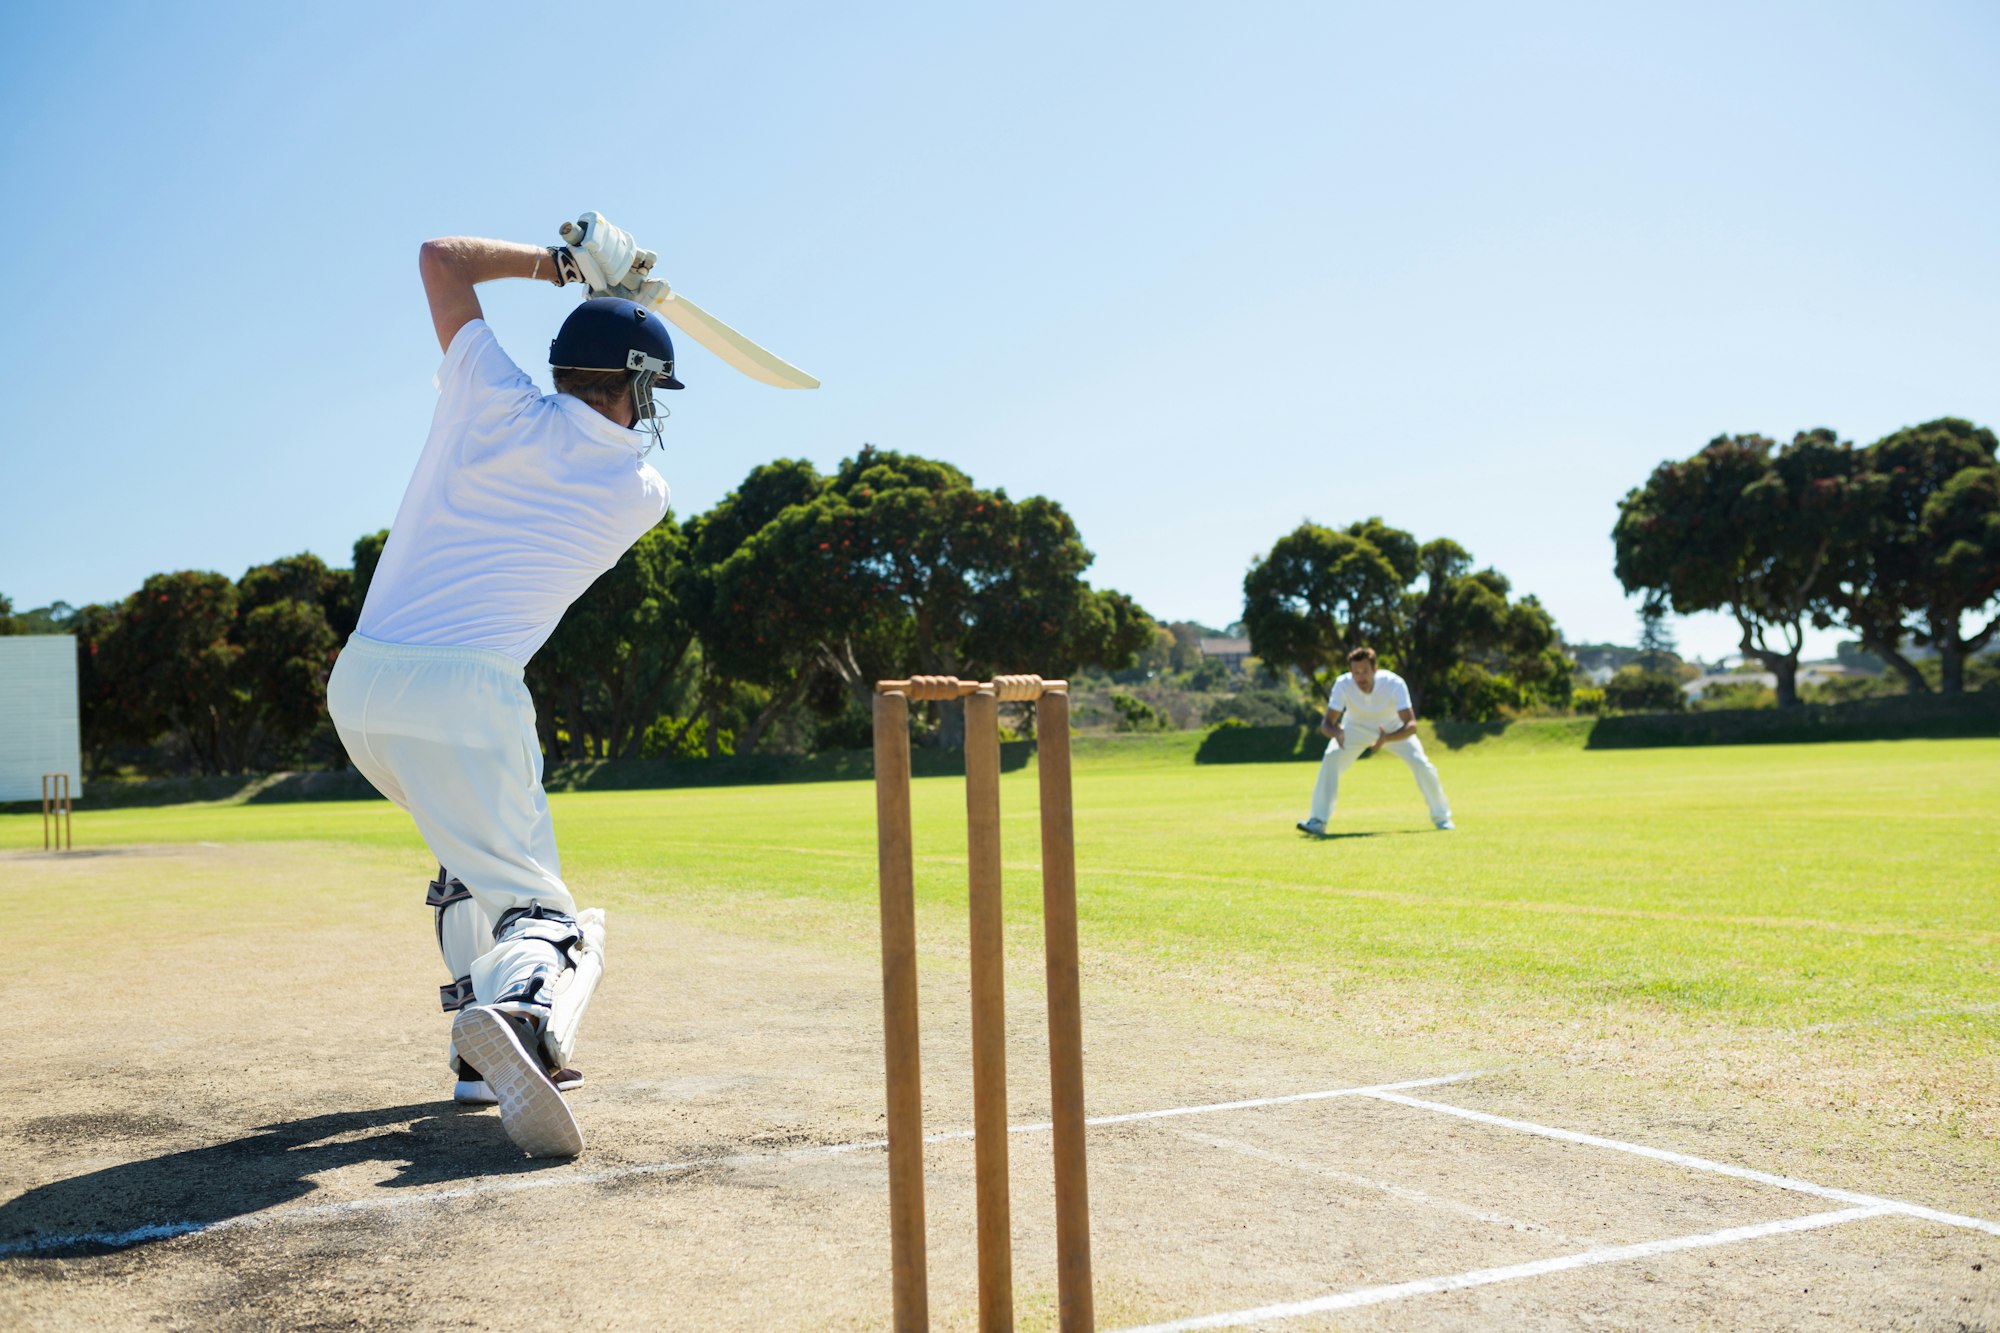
[[38, 714]]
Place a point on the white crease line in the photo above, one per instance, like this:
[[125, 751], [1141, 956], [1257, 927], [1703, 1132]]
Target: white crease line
[[1393, 1190], [1695, 1163], [1378, 1090], [309, 1212], [1486, 1277]]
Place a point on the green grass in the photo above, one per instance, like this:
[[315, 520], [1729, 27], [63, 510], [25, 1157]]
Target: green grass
[[1795, 947], [1766, 889]]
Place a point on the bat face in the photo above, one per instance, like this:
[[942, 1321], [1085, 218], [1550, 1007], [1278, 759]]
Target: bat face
[[726, 342], [592, 232]]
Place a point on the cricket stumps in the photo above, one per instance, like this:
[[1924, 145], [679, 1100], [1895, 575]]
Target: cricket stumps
[[989, 1022]]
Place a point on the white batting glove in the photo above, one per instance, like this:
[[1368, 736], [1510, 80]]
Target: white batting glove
[[645, 293], [606, 256]]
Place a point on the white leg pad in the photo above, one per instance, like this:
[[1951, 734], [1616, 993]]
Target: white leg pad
[[530, 951], [464, 931], [575, 987]]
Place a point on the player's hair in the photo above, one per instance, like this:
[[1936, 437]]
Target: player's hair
[[604, 390], [1361, 655]]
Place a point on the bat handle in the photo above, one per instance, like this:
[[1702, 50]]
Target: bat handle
[[572, 233]]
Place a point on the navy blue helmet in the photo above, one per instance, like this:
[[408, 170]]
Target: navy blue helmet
[[609, 333]]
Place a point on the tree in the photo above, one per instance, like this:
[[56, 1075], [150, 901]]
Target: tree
[[183, 658], [278, 685], [757, 625], [898, 564], [1320, 592], [304, 578], [367, 555], [1931, 555], [103, 721], [1187, 635], [170, 661], [1656, 637], [1740, 529], [1634, 689], [1466, 649], [605, 672]]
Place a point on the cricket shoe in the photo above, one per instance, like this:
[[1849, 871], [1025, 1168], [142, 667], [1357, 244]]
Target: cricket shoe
[[1444, 825], [532, 1111], [1316, 827], [474, 1092]]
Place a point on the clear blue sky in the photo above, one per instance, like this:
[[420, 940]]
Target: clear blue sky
[[1195, 272]]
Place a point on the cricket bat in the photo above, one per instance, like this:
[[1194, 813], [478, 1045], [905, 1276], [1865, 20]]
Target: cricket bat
[[654, 293]]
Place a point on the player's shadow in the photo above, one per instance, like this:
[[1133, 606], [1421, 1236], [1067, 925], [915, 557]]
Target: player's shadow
[[1356, 833], [157, 1198]]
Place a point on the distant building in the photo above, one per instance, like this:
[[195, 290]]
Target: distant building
[[1232, 653], [1810, 673]]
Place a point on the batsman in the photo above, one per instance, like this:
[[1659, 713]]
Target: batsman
[[519, 501]]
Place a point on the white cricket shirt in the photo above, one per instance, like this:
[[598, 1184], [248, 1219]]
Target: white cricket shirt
[[1376, 707], [519, 502]]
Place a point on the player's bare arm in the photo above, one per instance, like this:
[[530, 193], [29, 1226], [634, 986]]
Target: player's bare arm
[[1329, 727], [1402, 733], [452, 266]]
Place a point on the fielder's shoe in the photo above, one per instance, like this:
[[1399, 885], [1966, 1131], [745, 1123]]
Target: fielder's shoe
[[1444, 825], [471, 1090], [1316, 827], [531, 1110]]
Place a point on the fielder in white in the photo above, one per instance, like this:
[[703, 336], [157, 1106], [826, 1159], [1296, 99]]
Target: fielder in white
[[518, 503], [1374, 706]]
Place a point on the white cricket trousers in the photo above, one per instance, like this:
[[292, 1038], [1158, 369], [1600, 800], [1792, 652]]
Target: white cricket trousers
[[448, 734], [1341, 758]]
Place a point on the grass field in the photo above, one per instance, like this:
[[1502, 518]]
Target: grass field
[[1796, 947], [1781, 890]]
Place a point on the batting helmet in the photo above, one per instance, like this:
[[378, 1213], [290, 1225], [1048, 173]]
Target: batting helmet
[[608, 333]]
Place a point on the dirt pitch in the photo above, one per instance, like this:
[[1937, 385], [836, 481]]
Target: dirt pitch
[[227, 1109]]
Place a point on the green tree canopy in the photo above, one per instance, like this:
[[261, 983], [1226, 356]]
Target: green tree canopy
[[603, 676], [1469, 649], [1746, 528], [184, 658], [304, 578], [1465, 646], [367, 555], [1321, 592], [1931, 556], [757, 625], [899, 564]]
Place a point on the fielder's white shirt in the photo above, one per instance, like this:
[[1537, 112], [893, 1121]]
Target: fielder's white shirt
[[519, 502], [1376, 707]]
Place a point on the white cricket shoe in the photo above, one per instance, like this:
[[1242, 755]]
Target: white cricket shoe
[[532, 1111], [474, 1092], [1316, 827], [1444, 825]]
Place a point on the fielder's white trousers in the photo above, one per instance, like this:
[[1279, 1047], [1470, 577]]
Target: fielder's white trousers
[[448, 734], [1341, 758]]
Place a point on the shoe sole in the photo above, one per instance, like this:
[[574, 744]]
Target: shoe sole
[[532, 1111], [474, 1092]]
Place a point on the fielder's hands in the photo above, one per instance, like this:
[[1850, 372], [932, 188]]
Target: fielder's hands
[[605, 257]]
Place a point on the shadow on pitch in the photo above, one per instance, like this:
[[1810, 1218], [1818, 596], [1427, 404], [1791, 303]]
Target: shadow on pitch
[[157, 1198]]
